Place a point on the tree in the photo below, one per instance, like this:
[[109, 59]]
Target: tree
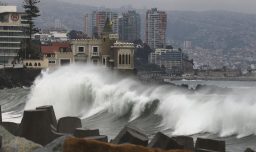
[[32, 12]]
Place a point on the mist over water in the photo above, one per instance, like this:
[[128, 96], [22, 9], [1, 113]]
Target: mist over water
[[88, 91]]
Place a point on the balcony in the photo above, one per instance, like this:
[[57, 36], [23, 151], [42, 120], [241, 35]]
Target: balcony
[[95, 54], [8, 54]]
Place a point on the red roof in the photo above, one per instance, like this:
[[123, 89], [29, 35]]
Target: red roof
[[55, 47]]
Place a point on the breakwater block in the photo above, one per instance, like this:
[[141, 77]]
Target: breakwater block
[[131, 135], [79, 144], [68, 124], [186, 141], [81, 133], [51, 112], [101, 138], [162, 141], [209, 145], [249, 150], [36, 126], [12, 127]]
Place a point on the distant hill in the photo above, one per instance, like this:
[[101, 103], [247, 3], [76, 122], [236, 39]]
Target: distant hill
[[210, 29], [213, 29]]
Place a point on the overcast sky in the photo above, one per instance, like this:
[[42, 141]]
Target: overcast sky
[[246, 6]]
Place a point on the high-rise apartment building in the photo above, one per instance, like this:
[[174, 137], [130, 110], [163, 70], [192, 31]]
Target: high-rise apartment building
[[12, 34], [129, 26], [95, 22], [156, 23]]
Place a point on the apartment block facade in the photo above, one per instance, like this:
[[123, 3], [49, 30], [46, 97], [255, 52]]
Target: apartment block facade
[[155, 30], [94, 23], [129, 26], [12, 34]]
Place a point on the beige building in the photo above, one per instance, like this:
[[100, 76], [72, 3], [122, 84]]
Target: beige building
[[57, 53], [87, 50], [123, 55], [36, 64], [106, 51]]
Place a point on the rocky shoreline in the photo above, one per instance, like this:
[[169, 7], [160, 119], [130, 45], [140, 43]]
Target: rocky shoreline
[[40, 131], [11, 78]]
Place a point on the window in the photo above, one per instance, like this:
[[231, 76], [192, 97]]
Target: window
[[129, 59], [126, 59], [35, 64], [80, 49], [30, 64], [26, 64], [64, 61], [39, 64], [123, 59], [120, 59], [104, 61], [95, 49], [52, 62]]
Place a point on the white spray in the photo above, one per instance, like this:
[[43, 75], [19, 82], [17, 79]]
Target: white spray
[[84, 90]]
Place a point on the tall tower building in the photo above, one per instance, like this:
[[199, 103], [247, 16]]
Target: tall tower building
[[12, 34], [156, 23], [95, 22], [129, 26]]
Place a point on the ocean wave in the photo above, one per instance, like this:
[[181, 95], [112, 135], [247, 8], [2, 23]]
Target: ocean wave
[[85, 90]]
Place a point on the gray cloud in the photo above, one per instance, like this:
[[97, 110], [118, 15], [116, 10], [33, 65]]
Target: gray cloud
[[247, 6]]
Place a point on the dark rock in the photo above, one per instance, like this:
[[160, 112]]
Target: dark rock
[[101, 138], [12, 127], [36, 126], [131, 135], [51, 112], [249, 150], [54, 146], [162, 141], [81, 133], [10, 143], [208, 145], [13, 77], [68, 124], [186, 141]]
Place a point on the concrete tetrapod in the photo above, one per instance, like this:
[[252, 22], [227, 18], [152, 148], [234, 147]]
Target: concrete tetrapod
[[162, 141], [186, 141], [68, 124], [36, 125], [81, 133], [209, 145], [52, 114], [131, 135], [12, 127]]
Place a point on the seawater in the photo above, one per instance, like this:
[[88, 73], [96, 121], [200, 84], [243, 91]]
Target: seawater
[[108, 101]]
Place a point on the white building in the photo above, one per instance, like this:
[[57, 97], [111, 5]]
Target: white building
[[12, 34], [156, 24]]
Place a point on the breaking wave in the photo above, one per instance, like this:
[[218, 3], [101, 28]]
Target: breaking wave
[[87, 90]]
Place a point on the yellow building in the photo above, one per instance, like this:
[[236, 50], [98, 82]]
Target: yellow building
[[123, 55], [36, 64]]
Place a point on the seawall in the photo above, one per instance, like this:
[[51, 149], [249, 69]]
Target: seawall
[[11, 78]]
